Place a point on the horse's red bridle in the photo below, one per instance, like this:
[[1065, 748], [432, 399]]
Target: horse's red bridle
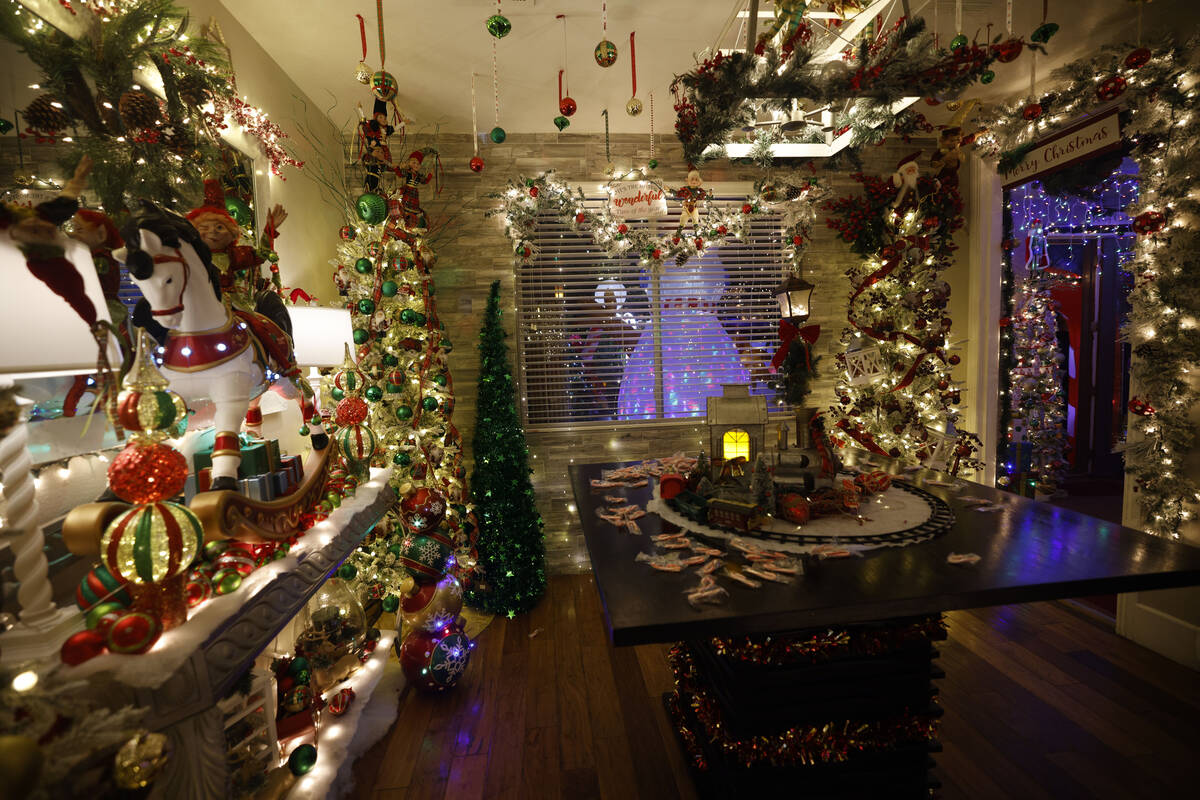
[[187, 271]]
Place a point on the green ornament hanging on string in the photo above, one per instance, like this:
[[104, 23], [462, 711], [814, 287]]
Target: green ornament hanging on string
[[372, 209], [498, 134], [498, 26]]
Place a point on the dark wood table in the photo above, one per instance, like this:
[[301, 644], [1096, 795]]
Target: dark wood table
[[886, 603], [1030, 551]]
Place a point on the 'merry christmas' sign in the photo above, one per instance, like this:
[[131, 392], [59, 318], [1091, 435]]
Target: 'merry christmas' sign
[[1088, 139], [637, 200]]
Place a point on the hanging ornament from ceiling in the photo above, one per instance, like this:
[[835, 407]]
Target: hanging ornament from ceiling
[[383, 83], [566, 106], [606, 51], [362, 73], [634, 106], [497, 24], [476, 162], [497, 133]]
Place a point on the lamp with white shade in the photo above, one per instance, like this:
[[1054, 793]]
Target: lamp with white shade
[[42, 337]]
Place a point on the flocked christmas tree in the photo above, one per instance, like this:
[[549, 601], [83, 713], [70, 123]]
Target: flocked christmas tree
[[896, 396], [1037, 387], [512, 555]]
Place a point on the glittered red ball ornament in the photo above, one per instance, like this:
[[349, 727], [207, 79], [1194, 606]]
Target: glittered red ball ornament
[[953, 360], [476, 164], [534, 191], [567, 107], [622, 228], [657, 254], [136, 632], [747, 208], [147, 473], [1032, 111], [80, 647], [350, 411], [1137, 58], [699, 243], [797, 240], [580, 217], [674, 240], [1112, 88]]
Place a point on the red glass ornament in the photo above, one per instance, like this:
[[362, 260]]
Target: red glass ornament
[[80, 647], [954, 360], [699, 243], [567, 106], [423, 510], [147, 473], [657, 253], [1149, 222], [476, 164], [1032, 111], [1137, 58], [797, 240], [1112, 88], [1007, 51], [136, 632], [350, 411], [721, 229], [534, 191], [747, 208], [580, 217], [622, 228]]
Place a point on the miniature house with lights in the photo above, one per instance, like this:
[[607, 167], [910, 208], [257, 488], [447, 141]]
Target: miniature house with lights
[[736, 423]]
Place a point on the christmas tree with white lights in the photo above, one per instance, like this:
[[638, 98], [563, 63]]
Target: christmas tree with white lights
[[896, 395], [1038, 402]]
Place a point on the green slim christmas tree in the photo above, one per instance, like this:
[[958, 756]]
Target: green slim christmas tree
[[512, 557]]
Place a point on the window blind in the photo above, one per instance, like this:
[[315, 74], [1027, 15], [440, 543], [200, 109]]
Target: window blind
[[609, 339]]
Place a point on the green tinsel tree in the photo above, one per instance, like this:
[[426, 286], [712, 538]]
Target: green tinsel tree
[[512, 554]]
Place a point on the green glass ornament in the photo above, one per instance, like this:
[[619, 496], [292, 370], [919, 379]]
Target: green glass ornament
[[498, 26], [374, 394], [372, 209], [336, 393], [408, 316], [360, 336], [390, 603], [987, 76], [1043, 32], [498, 134], [302, 759], [214, 549], [273, 257], [240, 212], [389, 288], [440, 379], [958, 42], [652, 163], [429, 404], [299, 664], [366, 306], [418, 318], [402, 459], [5, 126], [390, 360], [447, 346], [561, 122], [347, 572], [363, 266], [334, 499], [404, 413]]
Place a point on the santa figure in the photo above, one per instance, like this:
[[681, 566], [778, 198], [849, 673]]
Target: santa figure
[[410, 195], [373, 150], [239, 265], [691, 196], [905, 179]]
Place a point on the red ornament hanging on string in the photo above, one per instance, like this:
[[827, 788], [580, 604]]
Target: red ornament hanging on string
[[476, 164], [1032, 111], [1138, 58]]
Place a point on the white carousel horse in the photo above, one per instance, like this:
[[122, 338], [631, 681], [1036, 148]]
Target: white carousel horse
[[210, 351]]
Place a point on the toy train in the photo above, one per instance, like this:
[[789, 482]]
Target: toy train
[[718, 512]]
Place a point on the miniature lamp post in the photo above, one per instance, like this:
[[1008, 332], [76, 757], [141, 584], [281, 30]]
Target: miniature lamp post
[[794, 296]]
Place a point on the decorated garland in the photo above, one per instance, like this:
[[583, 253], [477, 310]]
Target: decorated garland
[[813, 743], [895, 392], [526, 199], [830, 644], [726, 92], [1157, 90]]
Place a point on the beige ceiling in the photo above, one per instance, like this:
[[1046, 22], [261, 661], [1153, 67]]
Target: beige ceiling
[[433, 46]]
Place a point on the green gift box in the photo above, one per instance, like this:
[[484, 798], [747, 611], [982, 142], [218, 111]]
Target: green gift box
[[256, 460]]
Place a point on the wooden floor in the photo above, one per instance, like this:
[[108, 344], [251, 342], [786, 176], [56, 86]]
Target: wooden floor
[[1041, 702]]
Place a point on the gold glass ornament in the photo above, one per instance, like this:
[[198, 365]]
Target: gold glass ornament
[[363, 73], [633, 107]]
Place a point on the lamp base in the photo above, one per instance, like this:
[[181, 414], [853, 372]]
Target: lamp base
[[23, 643]]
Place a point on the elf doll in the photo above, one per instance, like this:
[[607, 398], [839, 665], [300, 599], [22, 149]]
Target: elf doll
[[410, 196], [691, 196], [239, 265], [373, 148]]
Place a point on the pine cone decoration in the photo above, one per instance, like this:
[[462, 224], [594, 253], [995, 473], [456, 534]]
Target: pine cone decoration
[[138, 110], [192, 90], [175, 139], [46, 114]]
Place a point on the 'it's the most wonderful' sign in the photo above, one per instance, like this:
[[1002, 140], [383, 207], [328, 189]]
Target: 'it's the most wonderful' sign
[[1087, 139], [637, 200]]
